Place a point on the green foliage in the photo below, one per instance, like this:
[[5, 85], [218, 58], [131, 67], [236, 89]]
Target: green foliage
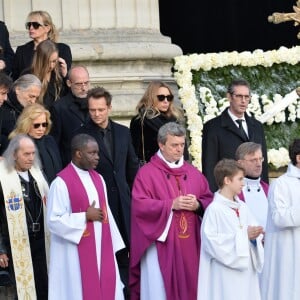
[[278, 79], [281, 134]]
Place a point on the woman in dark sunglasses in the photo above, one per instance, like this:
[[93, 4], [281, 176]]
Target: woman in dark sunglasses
[[35, 121], [155, 109], [40, 28]]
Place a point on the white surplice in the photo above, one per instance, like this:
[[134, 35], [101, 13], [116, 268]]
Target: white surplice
[[256, 200], [229, 262], [66, 231], [281, 274]]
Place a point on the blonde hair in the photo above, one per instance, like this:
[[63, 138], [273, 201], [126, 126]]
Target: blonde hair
[[27, 117], [147, 107], [39, 67], [47, 21]]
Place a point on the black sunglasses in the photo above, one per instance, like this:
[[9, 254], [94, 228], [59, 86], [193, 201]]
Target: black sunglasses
[[38, 125], [35, 25], [163, 97]]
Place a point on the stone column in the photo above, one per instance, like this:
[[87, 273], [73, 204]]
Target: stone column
[[118, 40]]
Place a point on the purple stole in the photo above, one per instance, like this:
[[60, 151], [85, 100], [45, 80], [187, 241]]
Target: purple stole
[[93, 287]]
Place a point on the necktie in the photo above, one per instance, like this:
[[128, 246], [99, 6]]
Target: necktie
[[106, 142], [241, 128]]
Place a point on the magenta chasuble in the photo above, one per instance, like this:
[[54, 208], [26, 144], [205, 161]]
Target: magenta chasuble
[[155, 187]]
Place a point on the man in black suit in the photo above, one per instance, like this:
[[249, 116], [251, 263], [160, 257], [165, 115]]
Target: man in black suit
[[70, 112], [223, 134], [118, 165]]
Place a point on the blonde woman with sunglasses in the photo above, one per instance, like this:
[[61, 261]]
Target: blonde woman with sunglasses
[[35, 121], [155, 109], [40, 28]]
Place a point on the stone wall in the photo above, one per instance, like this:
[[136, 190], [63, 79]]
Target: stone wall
[[118, 40]]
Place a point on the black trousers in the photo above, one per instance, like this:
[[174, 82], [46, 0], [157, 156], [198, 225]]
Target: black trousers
[[123, 264]]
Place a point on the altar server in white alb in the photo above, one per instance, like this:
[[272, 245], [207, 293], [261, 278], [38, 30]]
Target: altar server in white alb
[[231, 248], [281, 275], [84, 235]]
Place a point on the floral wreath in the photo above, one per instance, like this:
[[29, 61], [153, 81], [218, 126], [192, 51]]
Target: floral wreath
[[200, 106]]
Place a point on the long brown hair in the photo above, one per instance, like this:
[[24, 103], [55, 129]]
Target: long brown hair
[[40, 67]]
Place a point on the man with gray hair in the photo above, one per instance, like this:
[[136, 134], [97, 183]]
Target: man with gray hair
[[23, 233], [25, 90], [255, 191], [168, 200]]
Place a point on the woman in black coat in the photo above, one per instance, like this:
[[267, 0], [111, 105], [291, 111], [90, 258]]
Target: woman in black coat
[[6, 51], [35, 121], [40, 28], [51, 71], [155, 109]]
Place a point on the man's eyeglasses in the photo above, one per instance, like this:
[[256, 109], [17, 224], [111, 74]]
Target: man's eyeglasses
[[38, 125], [35, 25], [81, 84], [163, 97], [240, 97], [255, 160]]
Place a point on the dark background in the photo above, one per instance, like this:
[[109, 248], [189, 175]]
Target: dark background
[[202, 26]]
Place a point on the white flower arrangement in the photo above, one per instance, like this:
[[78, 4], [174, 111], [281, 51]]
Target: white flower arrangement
[[199, 112], [278, 158]]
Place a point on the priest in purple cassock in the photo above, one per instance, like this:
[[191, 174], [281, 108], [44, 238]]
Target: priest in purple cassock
[[168, 200]]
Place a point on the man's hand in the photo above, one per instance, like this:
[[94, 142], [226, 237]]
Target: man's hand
[[3, 260], [94, 214], [254, 232], [187, 202]]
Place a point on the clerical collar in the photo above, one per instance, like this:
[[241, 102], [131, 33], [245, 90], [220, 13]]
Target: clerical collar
[[24, 175], [79, 169], [252, 178], [172, 165], [252, 184]]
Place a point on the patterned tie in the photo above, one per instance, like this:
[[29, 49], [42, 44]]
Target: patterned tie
[[241, 128]]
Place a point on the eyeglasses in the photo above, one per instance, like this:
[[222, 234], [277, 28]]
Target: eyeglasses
[[255, 160], [35, 25], [81, 84], [38, 125], [163, 97], [240, 97]]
